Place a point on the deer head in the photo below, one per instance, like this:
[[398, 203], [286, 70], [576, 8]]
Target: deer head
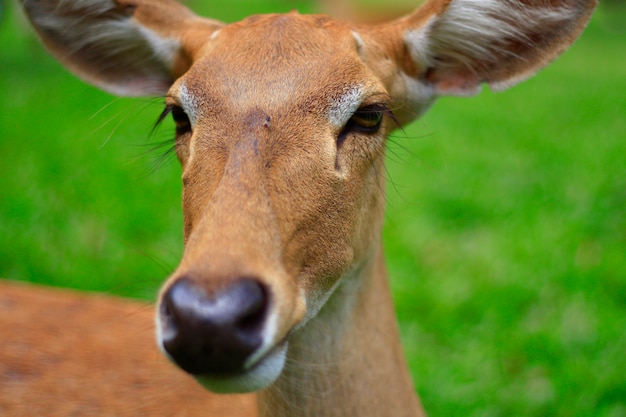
[[281, 122]]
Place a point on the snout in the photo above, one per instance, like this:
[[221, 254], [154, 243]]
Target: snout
[[230, 337], [213, 334]]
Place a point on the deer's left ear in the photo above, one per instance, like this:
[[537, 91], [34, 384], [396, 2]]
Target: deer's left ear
[[450, 47], [125, 47]]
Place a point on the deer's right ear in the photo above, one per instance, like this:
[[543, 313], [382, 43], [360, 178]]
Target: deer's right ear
[[125, 47]]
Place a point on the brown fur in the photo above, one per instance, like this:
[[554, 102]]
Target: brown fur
[[65, 353], [268, 190]]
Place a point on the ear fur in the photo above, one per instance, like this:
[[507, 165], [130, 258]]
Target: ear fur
[[451, 47], [498, 42], [128, 48]]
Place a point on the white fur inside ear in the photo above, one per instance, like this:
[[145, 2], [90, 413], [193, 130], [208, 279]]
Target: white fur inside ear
[[420, 95], [103, 43], [471, 35], [164, 49], [115, 35], [419, 44]]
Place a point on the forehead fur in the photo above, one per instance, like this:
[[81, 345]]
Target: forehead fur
[[277, 60]]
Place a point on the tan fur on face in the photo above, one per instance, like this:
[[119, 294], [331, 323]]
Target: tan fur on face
[[283, 183], [251, 205]]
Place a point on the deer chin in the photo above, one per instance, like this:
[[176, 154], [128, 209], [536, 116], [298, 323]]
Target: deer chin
[[262, 373]]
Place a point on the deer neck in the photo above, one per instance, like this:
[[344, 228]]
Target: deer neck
[[348, 360]]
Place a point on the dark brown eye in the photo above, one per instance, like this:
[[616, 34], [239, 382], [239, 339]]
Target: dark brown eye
[[366, 120], [181, 120]]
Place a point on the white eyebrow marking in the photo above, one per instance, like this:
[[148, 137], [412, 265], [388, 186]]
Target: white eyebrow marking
[[343, 107], [189, 103]]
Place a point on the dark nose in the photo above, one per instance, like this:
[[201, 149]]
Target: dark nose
[[213, 334]]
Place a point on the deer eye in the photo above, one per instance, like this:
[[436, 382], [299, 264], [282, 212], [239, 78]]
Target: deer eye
[[181, 120], [368, 119]]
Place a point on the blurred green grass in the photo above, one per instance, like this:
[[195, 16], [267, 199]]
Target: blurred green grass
[[506, 222]]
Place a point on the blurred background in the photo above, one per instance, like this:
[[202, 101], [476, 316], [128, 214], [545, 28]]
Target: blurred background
[[505, 231]]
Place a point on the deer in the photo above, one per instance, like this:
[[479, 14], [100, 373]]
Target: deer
[[280, 305]]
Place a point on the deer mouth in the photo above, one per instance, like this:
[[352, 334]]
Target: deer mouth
[[258, 375]]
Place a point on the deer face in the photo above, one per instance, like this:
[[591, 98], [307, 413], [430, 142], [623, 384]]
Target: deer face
[[282, 189], [281, 125]]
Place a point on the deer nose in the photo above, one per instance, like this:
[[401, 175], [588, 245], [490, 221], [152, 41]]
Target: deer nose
[[213, 334]]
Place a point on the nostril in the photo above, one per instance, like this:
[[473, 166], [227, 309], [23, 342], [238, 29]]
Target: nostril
[[253, 300], [209, 334]]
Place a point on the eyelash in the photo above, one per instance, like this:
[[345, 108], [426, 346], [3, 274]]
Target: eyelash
[[181, 120], [170, 146], [366, 120]]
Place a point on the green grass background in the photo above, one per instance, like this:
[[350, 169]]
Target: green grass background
[[506, 222]]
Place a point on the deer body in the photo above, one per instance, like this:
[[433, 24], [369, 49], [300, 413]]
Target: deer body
[[61, 356], [281, 129]]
